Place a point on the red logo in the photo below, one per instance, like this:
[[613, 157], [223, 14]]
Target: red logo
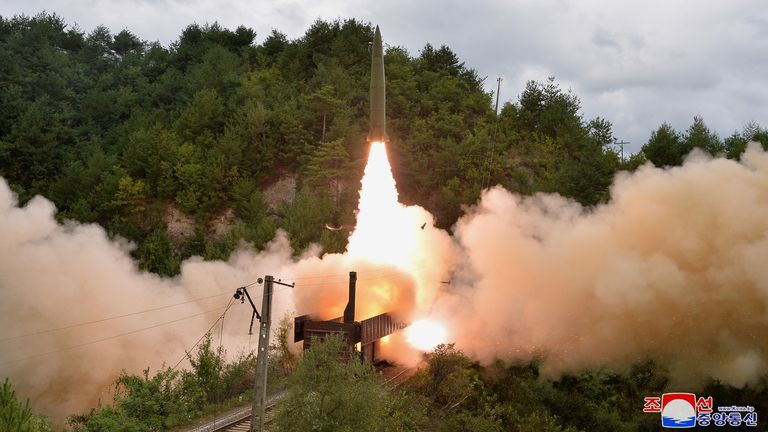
[[704, 405], [652, 404]]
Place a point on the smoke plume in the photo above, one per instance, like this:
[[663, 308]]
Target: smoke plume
[[673, 268], [53, 276]]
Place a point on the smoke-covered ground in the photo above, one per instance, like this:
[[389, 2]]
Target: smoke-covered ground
[[673, 268]]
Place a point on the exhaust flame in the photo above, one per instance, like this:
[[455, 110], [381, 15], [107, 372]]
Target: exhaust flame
[[388, 232], [399, 255], [425, 334], [378, 236]]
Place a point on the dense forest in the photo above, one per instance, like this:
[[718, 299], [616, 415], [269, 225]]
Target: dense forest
[[131, 135], [125, 133]]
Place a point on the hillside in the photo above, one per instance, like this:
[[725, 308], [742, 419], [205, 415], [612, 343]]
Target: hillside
[[226, 136], [128, 134]]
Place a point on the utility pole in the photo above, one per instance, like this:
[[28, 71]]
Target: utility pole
[[621, 144], [260, 386]]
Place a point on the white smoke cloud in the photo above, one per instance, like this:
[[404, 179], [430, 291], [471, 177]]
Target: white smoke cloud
[[54, 275], [672, 268]]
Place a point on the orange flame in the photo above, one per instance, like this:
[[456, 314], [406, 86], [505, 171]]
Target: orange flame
[[378, 236], [388, 232], [399, 255]]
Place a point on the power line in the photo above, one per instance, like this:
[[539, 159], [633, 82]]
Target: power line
[[5, 339], [221, 317], [110, 318], [107, 338]]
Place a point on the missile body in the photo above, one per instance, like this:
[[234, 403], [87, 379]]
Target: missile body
[[378, 130]]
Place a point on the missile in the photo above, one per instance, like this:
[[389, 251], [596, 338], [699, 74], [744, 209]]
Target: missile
[[378, 129]]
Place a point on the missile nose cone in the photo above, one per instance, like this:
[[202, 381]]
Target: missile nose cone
[[378, 97]]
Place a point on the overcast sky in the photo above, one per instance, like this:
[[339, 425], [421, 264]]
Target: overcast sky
[[636, 63]]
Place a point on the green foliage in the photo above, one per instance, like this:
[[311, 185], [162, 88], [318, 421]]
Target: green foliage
[[515, 397], [145, 402], [207, 366], [281, 356], [115, 130], [142, 403], [238, 376], [407, 411], [664, 147], [16, 416], [156, 253], [305, 219], [328, 166], [449, 379], [699, 136], [106, 419], [331, 392], [150, 400]]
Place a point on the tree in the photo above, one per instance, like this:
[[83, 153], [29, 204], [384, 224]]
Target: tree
[[754, 132], [155, 253], [699, 136], [601, 131], [16, 416], [664, 147], [449, 380], [328, 166], [331, 391], [546, 108], [282, 358], [33, 151], [587, 176], [735, 145], [306, 217], [207, 366], [324, 101], [152, 401]]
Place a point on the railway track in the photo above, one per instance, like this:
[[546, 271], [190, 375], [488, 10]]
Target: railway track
[[398, 375], [239, 420], [243, 423]]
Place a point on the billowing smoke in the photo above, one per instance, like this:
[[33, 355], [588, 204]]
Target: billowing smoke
[[53, 276], [673, 268]]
